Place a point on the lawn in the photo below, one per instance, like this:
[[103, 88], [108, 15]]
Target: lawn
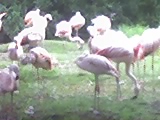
[[66, 93]]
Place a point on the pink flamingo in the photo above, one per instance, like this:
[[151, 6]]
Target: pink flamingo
[[98, 65]]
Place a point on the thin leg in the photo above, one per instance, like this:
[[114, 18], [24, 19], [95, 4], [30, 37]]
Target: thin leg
[[134, 79], [138, 69], [117, 66], [11, 98], [119, 94], [76, 32], [38, 73], [153, 67], [3, 100], [144, 68], [11, 108], [133, 67], [64, 42], [33, 72], [96, 93]]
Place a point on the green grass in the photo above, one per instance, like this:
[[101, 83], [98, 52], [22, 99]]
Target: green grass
[[64, 94], [132, 30]]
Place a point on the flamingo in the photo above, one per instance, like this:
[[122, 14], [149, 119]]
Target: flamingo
[[39, 58], [64, 30], [101, 23], [77, 22], [92, 31], [4, 37], [9, 80], [116, 50], [29, 16], [36, 34], [31, 36], [41, 21], [2, 15], [98, 65], [150, 40], [147, 44]]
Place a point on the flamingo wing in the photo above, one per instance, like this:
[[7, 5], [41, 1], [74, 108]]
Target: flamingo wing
[[114, 52], [98, 64]]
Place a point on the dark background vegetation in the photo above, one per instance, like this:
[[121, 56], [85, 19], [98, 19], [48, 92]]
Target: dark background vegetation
[[128, 12]]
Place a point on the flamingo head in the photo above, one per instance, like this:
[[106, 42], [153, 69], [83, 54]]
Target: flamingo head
[[28, 19], [48, 17], [2, 15], [78, 13]]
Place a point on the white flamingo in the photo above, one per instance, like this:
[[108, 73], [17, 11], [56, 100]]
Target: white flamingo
[[77, 22], [101, 23], [29, 16], [98, 65], [64, 30], [35, 34], [4, 37], [36, 31], [2, 15]]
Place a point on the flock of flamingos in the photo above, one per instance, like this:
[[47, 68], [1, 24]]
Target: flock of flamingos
[[105, 45]]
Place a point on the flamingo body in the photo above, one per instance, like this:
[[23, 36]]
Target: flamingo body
[[96, 64]]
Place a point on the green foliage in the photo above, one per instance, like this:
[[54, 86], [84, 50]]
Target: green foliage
[[129, 12]]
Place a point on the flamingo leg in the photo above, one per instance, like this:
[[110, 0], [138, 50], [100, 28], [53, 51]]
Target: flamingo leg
[[117, 66], [96, 93], [138, 69], [3, 100], [11, 101], [134, 79], [144, 69], [76, 32], [65, 42], [11, 97], [119, 93], [79, 45], [38, 73], [133, 67]]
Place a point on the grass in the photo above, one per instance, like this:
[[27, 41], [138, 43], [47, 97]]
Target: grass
[[132, 30], [66, 93]]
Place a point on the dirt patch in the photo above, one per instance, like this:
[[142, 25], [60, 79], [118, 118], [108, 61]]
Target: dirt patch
[[77, 116]]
